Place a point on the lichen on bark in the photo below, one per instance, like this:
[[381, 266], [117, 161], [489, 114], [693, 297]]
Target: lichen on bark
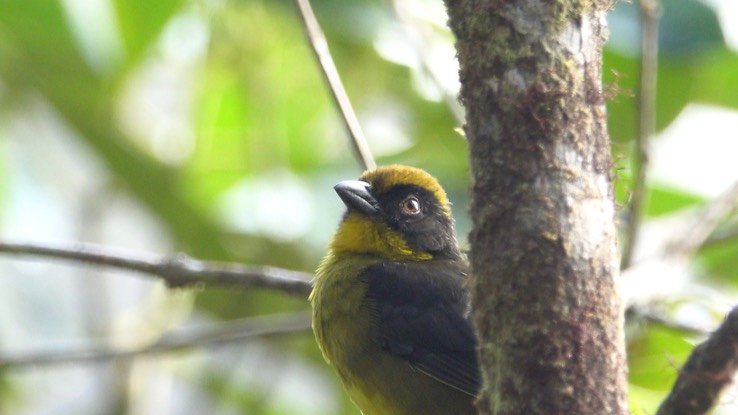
[[544, 252]]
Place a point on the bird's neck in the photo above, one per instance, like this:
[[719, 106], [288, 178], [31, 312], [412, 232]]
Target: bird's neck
[[360, 235]]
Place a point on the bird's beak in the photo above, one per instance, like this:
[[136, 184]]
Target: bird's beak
[[356, 195]]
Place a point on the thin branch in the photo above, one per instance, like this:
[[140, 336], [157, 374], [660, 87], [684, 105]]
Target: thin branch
[[650, 15], [228, 332], [693, 233], [699, 231], [323, 55], [660, 317], [708, 371], [177, 270], [728, 235]]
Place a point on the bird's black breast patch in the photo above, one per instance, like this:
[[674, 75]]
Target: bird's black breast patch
[[421, 312]]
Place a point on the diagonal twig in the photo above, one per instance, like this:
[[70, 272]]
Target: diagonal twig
[[660, 317], [228, 332], [691, 235], [729, 235], [330, 73], [176, 271], [705, 222]]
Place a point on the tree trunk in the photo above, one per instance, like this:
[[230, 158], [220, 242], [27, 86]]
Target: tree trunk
[[544, 251]]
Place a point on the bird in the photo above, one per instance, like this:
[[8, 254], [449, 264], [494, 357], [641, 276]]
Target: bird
[[390, 300]]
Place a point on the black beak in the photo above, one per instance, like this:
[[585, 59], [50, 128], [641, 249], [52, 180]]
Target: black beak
[[356, 196]]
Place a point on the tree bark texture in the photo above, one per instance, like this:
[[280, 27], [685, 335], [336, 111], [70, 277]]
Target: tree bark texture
[[544, 251]]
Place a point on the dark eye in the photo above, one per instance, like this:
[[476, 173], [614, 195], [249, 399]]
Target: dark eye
[[410, 206]]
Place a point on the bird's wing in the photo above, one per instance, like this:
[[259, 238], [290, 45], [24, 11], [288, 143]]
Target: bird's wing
[[421, 312]]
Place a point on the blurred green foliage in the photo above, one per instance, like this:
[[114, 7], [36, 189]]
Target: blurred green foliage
[[256, 108]]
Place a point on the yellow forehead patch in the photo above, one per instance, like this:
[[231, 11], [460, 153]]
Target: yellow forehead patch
[[382, 179]]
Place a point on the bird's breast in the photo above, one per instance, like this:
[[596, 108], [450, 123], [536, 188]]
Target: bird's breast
[[342, 323]]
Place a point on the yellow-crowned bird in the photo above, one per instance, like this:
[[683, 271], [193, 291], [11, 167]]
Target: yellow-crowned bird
[[390, 300]]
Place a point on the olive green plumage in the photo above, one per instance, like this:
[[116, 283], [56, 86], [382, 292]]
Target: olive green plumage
[[390, 302]]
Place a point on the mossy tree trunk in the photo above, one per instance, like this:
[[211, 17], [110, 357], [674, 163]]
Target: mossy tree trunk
[[544, 250]]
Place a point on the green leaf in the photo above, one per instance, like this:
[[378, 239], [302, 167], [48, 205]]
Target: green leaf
[[643, 401], [720, 261], [715, 70], [654, 359], [37, 31], [141, 21], [694, 64], [674, 90], [663, 200], [621, 77]]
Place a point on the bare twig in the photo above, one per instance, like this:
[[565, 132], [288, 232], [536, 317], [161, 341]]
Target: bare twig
[[650, 15], [708, 371], [228, 332], [177, 270], [323, 55], [729, 234], [705, 223], [688, 237], [661, 318]]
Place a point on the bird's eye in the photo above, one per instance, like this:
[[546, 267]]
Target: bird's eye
[[410, 206]]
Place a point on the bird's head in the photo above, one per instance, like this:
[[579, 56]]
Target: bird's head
[[395, 212]]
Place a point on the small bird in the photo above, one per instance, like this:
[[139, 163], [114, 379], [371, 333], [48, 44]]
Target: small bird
[[390, 299]]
